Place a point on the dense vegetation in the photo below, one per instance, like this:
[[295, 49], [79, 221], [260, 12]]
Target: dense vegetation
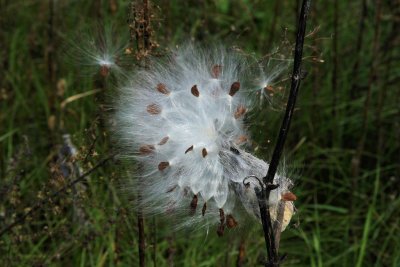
[[343, 148]]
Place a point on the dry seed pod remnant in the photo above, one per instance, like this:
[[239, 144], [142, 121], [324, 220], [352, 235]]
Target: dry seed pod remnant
[[183, 120]]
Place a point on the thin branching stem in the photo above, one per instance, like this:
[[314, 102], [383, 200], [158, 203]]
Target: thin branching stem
[[263, 193]]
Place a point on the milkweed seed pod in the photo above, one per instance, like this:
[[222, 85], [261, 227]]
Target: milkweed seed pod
[[183, 119]]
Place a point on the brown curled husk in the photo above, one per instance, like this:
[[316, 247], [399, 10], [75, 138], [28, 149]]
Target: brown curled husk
[[289, 196]]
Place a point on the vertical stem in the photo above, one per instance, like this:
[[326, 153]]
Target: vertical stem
[[335, 69], [358, 48], [355, 162], [242, 247], [263, 193]]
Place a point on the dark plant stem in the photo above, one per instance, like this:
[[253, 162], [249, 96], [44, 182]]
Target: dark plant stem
[[263, 193], [335, 70], [242, 247], [358, 49], [355, 162]]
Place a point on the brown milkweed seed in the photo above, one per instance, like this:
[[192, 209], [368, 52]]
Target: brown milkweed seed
[[289, 196], [234, 88], [203, 211], [189, 149], [146, 149], [195, 91], [172, 189], [193, 205], [162, 165], [216, 71], [163, 89], [241, 139], [239, 112], [204, 152], [163, 141], [153, 109], [230, 222]]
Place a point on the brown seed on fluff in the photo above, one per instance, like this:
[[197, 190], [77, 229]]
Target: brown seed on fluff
[[239, 112], [203, 211], [234, 88], [146, 149], [162, 165], [220, 230], [189, 149], [153, 109], [172, 189], [230, 222], [195, 91], [163, 141], [163, 89], [216, 71], [193, 205], [240, 139], [204, 152]]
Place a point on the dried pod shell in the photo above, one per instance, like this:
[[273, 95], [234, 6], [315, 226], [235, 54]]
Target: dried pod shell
[[289, 196], [239, 112], [189, 149], [163, 89], [195, 91], [204, 152], [216, 71], [230, 222], [163, 141], [162, 165], [153, 109], [146, 149], [234, 88]]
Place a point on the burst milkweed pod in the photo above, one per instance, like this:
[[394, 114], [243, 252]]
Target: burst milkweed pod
[[183, 119]]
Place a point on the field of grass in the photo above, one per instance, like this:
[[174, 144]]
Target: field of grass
[[343, 147]]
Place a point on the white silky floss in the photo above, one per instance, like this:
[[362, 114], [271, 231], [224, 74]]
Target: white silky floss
[[183, 120]]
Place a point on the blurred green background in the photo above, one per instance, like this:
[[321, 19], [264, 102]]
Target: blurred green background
[[343, 147]]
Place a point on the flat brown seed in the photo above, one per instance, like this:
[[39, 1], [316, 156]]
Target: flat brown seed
[[193, 205], [234, 88], [189, 149], [203, 211], [220, 230], [241, 139], [153, 109], [146, 149], [162, 165], [216, 71], [270, 88], [163, 89], [163, 141], [239, 112], [172, 189], [230, 222], [204, 152], [195, 91], [289, 196]]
